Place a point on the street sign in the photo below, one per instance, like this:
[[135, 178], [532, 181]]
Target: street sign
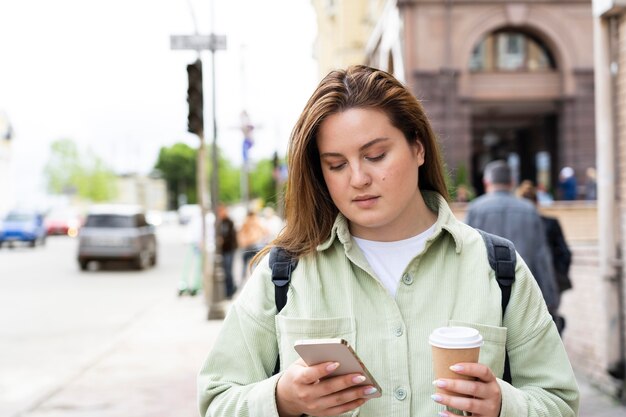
[[211, 42]]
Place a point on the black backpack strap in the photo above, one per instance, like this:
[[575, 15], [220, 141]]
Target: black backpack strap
[[501, 255], [282, 264]]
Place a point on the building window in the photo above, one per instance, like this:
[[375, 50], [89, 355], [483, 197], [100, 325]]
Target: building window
[[508, 50]]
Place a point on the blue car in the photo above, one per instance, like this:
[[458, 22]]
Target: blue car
[[22, 226]]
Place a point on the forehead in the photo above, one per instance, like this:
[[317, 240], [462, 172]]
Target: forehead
[[355, 124]]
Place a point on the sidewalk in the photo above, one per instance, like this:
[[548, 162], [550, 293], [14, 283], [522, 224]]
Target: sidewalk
[[594, 403], [151, 371]]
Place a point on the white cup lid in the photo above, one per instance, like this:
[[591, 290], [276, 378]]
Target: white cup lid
[[456, 338]]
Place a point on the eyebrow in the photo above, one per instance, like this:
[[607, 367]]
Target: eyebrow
[[361, 148]]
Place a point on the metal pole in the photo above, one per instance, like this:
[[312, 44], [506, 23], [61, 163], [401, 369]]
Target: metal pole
[[201, 187], [216, 309]]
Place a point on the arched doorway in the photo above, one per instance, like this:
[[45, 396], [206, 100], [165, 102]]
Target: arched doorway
[[514, 112]]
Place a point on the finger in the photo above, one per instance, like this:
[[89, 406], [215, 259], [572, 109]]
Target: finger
[[347, 396], [464, 387], [460, 403], [477, 370], [341, 383], [344, 408], [477, 407], [312, 374]]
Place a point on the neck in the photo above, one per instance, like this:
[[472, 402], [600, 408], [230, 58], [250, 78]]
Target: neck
[[491, 188]]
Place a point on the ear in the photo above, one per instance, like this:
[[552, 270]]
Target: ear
[[420, 152]]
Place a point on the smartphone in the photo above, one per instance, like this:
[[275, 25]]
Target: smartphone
[[314, 351]]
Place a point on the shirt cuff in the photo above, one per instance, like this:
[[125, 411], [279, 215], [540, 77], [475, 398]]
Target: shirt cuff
[[262, 398], [513, 401]]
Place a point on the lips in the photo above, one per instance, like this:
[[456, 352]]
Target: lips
[[363, 197], [365, 201]]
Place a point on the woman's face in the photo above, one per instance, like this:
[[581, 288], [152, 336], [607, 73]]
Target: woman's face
[[371, 172]]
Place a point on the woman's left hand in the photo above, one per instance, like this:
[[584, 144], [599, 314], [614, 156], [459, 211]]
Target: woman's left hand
[[484, 395]]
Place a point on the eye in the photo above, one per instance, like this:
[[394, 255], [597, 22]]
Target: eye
[[336, 167], [376, 158]]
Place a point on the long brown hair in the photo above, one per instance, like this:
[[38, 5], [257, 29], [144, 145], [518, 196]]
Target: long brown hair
[[309, 209]]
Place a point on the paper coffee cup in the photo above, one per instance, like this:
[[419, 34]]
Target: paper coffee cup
[[452, 345]]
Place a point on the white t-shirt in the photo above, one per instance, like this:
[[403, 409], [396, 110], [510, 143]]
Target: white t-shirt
[[389, 259]]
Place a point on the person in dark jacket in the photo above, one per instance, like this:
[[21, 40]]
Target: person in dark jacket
[[561, 253], [503, 214], [228, 245]]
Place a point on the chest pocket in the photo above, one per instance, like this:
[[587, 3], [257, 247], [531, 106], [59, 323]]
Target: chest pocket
[[290, 329], [494, 348]]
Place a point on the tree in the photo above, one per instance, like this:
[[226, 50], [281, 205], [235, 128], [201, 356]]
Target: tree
[[177, 164], [230, 180], [68, 172], [63, 167], [262, 184]]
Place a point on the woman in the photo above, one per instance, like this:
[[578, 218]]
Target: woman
[[382, 262], [252, 236], [559, 249]]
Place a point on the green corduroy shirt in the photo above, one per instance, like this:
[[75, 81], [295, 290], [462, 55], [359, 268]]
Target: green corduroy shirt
[[335, 294]]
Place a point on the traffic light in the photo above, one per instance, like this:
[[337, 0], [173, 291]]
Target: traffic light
[[195, 120]]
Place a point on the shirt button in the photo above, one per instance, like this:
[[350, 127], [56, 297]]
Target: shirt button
[[400, 393], [407, 279], [398, 331]]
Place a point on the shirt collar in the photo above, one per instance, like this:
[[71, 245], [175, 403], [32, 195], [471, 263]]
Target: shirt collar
[[446, 221]]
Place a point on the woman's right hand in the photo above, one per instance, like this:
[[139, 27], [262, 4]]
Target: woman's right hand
[[301, 390]]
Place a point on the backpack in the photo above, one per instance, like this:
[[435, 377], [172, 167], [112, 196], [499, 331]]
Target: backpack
[[500, 252]]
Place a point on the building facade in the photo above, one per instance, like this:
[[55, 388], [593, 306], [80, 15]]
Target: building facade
[[343, 28], [498, 79], [516, 80], [609, 22], [146, 191]]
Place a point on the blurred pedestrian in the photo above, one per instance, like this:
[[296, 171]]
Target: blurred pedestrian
[[382, 262], [252, 236], [591, 185], [559, 249], [272, 222], [191, 279], [228, 245], [567, 184], [463, 194], [501, 213]]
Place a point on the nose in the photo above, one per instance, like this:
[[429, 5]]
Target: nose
[[360, 177]]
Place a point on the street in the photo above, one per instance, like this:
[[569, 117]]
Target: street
[[114, 342], [86, 343]]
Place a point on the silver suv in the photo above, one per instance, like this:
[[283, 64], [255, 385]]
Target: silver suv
[[117, 233]]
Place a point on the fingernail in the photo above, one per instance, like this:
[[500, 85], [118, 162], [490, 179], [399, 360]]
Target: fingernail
[[332, 366], [440, 383], [442, 414], [456, 368], [436, 397], [370, 391], [358, 379]]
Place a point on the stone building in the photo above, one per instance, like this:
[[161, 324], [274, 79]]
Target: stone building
[[498, 79], [516, 80], [609, 24]]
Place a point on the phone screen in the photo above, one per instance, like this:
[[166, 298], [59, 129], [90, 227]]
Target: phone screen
[[315, 351]]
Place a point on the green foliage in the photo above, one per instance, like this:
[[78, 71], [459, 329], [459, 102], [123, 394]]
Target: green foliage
[[68, 172], [177, 165], [461, 189], [262, 184], [230, 180], [101, 182]]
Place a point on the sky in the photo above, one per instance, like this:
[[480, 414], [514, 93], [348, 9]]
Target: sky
[[102, 74]]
